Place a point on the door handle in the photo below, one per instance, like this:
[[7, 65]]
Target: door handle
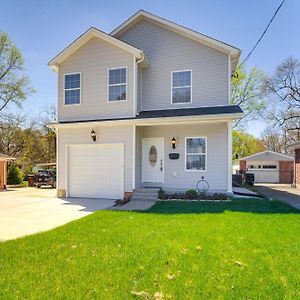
[[161, 167]]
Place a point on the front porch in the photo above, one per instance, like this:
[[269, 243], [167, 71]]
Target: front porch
[[167, 156]]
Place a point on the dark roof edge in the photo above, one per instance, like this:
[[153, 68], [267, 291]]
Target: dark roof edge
[[171, 113]]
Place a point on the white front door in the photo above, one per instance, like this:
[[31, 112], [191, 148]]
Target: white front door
[[152, 160]]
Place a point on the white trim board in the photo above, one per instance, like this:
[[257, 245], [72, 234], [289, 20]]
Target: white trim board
[[285, 157]]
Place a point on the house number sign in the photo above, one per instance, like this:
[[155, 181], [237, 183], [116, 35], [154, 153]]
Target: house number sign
[[153, 156]]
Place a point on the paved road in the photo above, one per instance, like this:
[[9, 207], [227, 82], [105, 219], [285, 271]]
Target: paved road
[[26, 211], [282, 192]]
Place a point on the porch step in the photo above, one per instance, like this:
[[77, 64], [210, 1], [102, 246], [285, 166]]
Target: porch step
[[146, 190], [145, 194]]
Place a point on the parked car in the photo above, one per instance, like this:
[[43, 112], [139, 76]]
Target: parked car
[[45, 177]]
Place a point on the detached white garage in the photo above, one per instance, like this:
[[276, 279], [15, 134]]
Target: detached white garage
[[95, 171], [269, 167]]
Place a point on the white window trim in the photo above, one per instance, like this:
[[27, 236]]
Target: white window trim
[[190, 86], [185, 156], [80, 89], [108, 85]]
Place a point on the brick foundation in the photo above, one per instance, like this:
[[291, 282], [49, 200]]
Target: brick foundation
[[243, 166], [127, 195], [2, 175], [286, 171]]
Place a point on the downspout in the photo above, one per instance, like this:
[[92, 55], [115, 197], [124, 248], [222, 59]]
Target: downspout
[[137, 63], [135, 113]]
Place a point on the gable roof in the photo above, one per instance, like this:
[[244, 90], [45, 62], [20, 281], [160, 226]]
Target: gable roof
[[187, 32], [86, 36], [267, 155]]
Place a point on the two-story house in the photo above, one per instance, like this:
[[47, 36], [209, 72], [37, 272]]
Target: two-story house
[[146, 105]]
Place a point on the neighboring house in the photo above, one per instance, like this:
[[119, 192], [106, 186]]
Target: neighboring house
[[3, 169], [130, 99], [45, 166], [269, 167]]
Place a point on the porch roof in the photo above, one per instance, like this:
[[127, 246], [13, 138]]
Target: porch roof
[[224, 110]]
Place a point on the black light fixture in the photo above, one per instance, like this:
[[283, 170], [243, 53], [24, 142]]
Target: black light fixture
[[173, 142], [93, 135]]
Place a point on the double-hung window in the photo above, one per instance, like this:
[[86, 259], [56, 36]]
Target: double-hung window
[[195, 151], [117, 84], [72, 88], [181, 87]]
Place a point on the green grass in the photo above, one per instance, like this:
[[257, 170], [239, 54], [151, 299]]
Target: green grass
[[245, 249]]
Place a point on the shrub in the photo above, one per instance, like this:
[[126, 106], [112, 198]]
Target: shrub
[[220, 196], [161, 194], [15, 175], [191, 194]]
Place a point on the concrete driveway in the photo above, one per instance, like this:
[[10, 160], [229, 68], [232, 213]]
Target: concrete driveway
[[26, 211], [282, 192]]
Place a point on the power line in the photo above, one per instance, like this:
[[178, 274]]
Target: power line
[[262, 35]]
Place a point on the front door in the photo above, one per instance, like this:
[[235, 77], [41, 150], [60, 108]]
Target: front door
[[152, 160]]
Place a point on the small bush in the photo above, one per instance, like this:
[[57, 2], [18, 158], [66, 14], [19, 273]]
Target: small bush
[[220, 196], [191, 194], [15, 175], [161, 194]]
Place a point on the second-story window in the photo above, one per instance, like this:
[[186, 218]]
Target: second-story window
[[72, 89], [181, 87], [117, 84]]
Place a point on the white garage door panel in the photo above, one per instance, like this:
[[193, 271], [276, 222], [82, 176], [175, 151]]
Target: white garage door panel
[[96, 171], [266, 176]]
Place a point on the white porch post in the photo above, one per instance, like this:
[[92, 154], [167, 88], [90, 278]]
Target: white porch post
[[229, 135], [133, 155]]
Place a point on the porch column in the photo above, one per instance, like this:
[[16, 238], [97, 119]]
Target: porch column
[[229, 133], [133, 155]]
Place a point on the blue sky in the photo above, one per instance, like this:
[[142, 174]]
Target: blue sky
[[42, 28]]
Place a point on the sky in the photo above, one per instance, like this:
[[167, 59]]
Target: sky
[[40, 29]]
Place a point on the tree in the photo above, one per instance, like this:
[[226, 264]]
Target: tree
[[15, 175], [273, 139], [277, 140], [283, 88], [248, 93], [14, 85], [30, 143], [244, 144]]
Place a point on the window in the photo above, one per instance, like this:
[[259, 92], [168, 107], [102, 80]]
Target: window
[[269, 167], [117, 84], [195, 149], [181, 87], [72, 89]]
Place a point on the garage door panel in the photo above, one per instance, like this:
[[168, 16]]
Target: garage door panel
[[266, 176], [96, 171]]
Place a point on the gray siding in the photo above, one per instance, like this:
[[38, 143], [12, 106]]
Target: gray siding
[[115, 134], [168, 51], [217, 149], [93, 60]]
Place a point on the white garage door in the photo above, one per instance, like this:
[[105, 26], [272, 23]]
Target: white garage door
[[96, 171], [266, 176]]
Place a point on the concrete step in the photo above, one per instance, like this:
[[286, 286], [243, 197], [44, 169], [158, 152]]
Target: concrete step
[[146, 198], [146, 190], [143, 194]]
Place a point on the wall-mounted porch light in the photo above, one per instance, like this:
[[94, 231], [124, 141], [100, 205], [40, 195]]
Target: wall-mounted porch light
[[173, 142], [93, 135]]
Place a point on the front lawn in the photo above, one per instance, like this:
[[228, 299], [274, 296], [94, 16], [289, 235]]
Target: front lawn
[[245, 249]]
